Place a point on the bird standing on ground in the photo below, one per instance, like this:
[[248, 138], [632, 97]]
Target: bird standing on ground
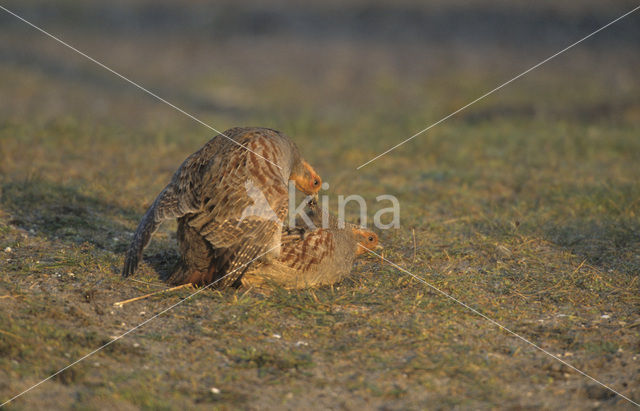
[[233, 194]]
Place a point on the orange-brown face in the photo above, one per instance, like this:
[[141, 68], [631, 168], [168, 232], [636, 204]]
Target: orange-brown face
[[309, 182], [367, 240]]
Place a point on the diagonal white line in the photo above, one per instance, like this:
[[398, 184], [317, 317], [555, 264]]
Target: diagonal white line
[[131, 330], [499, 87], [134, 83], [497, 324]]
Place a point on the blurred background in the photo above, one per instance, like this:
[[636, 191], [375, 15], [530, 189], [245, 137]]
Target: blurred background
[[346, 79], [334, 65]]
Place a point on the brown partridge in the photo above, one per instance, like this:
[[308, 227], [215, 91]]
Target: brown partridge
[[324, 256], [232, 194], [308, 258]]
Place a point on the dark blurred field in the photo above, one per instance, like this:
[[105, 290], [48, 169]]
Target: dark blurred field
[[525, 206]]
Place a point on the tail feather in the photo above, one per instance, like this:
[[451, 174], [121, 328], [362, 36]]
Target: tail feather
[[146, 228], [178, 198]]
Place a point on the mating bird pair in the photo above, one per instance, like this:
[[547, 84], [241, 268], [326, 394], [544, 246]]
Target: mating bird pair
[[231, 200]]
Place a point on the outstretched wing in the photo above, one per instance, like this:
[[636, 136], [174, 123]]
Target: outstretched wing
[[183, 194], [216, 190], [243, 213], [180, 197]]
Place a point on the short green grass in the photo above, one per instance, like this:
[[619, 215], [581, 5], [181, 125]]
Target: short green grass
[[526, 207]]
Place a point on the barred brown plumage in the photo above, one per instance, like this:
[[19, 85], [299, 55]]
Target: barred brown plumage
[[323, 256], [233, 198], [308, 258]]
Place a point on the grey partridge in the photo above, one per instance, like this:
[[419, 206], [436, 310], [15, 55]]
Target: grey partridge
[[233, 194], [308, 257], [322, 256]]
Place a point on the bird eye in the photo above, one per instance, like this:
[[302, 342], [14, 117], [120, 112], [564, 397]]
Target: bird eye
[[370, 238], [315, 183]]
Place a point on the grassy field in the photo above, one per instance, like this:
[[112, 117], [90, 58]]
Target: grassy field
[[525, 207]]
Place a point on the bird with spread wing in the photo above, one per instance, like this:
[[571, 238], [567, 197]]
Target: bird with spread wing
[[233, 194]]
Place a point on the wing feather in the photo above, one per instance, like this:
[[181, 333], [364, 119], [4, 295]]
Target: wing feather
[[243, 215], [210, 191], [178, 198]]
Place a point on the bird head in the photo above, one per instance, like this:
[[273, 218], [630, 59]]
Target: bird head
[[306, 178], [367, 240]]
